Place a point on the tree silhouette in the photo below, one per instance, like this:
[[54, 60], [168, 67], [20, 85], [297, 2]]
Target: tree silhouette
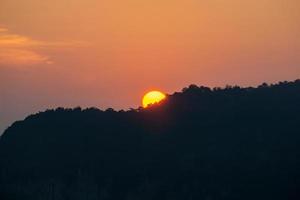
[[201, 143]]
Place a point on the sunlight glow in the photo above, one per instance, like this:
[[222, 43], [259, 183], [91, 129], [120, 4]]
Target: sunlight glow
[[153, 97]]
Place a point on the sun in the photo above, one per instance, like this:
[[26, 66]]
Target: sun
[[152, 97]]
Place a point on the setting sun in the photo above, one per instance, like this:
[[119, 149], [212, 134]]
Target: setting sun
[[152, 97]]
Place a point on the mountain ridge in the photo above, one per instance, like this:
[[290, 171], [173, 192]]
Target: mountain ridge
[[200, 143]]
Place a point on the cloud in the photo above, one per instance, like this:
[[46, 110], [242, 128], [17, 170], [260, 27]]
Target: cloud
[[3, 30], [10, 40], [22, 57], [22, 50]]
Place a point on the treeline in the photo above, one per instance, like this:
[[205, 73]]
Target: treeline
[[201, 143]]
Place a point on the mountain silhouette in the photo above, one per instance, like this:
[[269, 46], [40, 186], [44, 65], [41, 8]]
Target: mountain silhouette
[[223, 143]]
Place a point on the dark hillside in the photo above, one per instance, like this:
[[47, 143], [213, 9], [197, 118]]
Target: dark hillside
[[223, 143]]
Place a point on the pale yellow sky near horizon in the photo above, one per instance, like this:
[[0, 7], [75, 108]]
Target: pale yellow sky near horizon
[[109, 53]]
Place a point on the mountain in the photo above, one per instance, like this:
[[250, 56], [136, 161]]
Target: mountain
[[222, 143]]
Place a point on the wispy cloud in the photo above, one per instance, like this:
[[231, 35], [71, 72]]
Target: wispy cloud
[[15, 41], [3, 30], [19, 50], [22, 50], [22, 57]]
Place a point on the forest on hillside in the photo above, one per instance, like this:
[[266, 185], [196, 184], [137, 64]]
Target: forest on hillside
[[205, 143]]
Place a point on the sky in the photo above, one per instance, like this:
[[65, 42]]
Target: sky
[[108, 53]]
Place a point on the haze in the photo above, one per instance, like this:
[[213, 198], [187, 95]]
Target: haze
[[109, 53]]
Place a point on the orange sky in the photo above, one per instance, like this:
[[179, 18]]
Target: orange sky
[[107, 53]]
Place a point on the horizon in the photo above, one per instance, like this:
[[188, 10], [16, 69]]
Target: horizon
[[3, 129]]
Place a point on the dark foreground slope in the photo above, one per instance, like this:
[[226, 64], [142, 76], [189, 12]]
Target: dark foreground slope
[[232, 143]]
